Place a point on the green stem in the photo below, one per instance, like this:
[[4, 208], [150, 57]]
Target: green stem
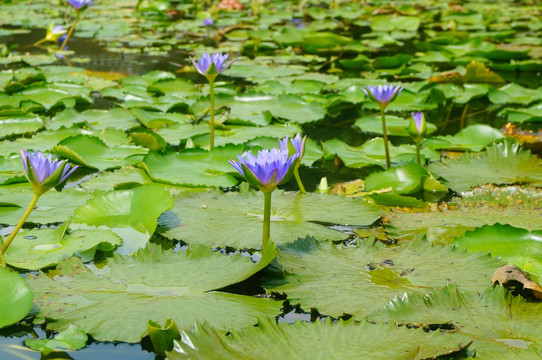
[[418, 152], [18, 226], [70, 32], [266, 220], [298, 179], [385, 134], [212, 123]]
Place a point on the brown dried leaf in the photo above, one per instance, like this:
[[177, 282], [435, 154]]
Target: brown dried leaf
[[527, 138], [510, 276]]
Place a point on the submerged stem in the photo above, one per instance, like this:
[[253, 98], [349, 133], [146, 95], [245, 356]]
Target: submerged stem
[[266, 219], [385, 134], [212, 110], [70, 32], [18, 226]]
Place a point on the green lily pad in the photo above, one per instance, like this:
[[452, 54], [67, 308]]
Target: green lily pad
[[116, 118], [157, 120], [92, 152], [366, 277], [499, 323], [124, 177], [241, 134], [403, 180], [73, 338], [16, 297], [504, 163], [114, 303], [487, 205], [324, 340], [532, 114], [292, 216], [21, 124], [472, 138], [389, 23], [51, 96], [515, 94], [52, 207], [194, 167], [513, 245], [36, 249], [131, 214]]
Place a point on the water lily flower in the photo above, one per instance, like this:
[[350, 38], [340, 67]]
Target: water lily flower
[[80, 4], [295, 145], [383, 95], [269, 169], [265, 171], [43, 173], [417, 129], [211, 66], [208, 22], [417, 126], [54, 32]]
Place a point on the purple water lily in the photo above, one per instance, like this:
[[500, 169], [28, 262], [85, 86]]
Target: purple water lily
[[383, 95], [203, 65], [208, 22], [297, 142], [44, 173], [269, 169], [296, 145], [419, 124], [80, 4]]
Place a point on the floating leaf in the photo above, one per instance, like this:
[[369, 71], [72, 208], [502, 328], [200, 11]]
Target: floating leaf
[[473, 138], [199, 217], [16, 297], [131, 214], [324, 339], [36, 249], [403, 180], [115, 302], [366, 277], [73, 338], [513, 245], [504, 163], [500, 324]]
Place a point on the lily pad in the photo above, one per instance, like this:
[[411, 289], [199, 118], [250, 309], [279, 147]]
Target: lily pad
[[194, 167], [472, 138], [73, 338], [292, 216], [366, 277], [131, 214], [396, 126], [16, 297], [504, 163], [403, 180], [513, 245], [36, 249], [324, 340], [92, 152], [154, 284], [499, 323], [19, 124]]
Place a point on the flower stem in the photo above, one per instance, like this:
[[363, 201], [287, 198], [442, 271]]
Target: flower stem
[[266, 220], [212, 110], [298, 179], [70, 32], [18, 227], [418, 152], [385, 134]]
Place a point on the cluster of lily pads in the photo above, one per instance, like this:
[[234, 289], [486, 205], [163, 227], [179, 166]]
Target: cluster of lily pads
[[143, 226]]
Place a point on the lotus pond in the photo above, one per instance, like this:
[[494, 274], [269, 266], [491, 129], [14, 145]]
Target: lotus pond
[[417, 237]]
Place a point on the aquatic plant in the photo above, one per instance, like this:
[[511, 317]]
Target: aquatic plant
[[417, 129], [211, 66], [266, 171], [383, 95], [296, 145], [43, 173]]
